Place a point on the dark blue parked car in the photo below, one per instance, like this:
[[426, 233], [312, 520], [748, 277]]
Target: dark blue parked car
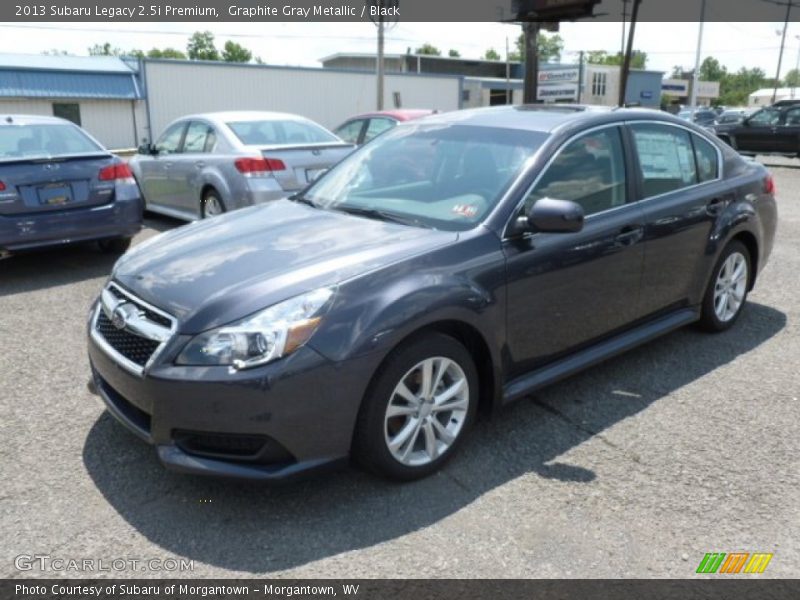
[[59, 185], [461, 260]]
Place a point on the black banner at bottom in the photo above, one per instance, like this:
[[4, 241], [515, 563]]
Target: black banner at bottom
[[395, 589]]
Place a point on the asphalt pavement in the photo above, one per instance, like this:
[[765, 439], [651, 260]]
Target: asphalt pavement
[[635, 468]]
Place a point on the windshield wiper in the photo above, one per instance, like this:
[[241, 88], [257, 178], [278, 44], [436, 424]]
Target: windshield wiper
[[303, 200], [382, 215]]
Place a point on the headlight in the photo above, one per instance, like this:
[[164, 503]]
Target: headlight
[[268, 335]]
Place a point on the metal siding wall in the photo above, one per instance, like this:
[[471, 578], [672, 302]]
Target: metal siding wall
[[110, 121], [327, 97]]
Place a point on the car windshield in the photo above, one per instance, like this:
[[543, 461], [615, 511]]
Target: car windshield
[[45, 140], [274, 132], [441, 176]]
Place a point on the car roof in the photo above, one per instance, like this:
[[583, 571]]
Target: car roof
[[547, 118], [30, 120], [233, 116], [400, 114]]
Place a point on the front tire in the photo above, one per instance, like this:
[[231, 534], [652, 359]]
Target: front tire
[[727, 291], [418, 409]]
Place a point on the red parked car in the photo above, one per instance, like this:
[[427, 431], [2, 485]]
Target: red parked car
[[362, 128]]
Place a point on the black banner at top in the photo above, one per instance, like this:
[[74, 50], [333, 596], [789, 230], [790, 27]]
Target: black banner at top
[[393, 10]]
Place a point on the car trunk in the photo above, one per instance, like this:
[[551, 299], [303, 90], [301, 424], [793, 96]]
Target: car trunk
[[304, 163], [40, 185]]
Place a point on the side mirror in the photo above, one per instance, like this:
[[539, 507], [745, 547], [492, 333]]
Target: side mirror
[[556, 216], [146, 149]]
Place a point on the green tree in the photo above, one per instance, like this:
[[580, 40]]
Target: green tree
[[491, 54], [792, 78], [549, 47], [105, 49], [429, 50], [712, 70], [166, 53], [601, 57], [201, 46], [736, 87], [454, 53], [233, 52]]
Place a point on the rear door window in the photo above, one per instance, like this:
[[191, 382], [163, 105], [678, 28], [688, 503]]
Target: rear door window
[[666, 158], [377, 126], [707, 159], [196, 137], [350, 131]]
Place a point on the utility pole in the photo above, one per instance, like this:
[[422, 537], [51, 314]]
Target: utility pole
[[580, 76], [531, 62], [793, 86], [380, 65], [624, 16], [509, 93], [780, 56], [626, 64], [696, 74]]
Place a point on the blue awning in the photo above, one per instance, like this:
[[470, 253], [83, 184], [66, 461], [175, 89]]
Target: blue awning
[[64, 84]]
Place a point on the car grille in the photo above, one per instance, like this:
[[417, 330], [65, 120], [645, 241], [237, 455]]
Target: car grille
[[140, 334], [136, 349]]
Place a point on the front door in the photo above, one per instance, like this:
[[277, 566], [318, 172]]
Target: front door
[[565, 290], [757, 134]]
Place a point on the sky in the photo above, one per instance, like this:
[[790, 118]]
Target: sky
[[735, 45]]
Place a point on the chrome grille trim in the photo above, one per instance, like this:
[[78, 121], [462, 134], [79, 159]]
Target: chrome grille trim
[[137, 324]]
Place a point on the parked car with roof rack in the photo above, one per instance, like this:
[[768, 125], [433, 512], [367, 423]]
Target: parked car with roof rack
[[59, 185], [207, 164]]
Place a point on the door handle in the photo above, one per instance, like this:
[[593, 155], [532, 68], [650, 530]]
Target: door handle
[[716, 206], [199, 165], [629, 235]]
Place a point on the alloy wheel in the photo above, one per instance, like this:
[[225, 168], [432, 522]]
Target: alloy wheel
[[730, 287]]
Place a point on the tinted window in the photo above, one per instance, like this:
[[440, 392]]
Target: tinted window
[[765, 118], [589, 171], [793, 117], [71, 111], [270, 132], [170, 140], [44, 140], [666, 158], [350, 131], [707, 159], [442, 176], [378, 126], [196, 137]]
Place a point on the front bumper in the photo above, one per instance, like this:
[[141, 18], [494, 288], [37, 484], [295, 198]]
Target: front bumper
[[303, 406]]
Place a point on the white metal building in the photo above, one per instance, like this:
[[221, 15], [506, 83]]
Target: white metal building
[[763, 97]]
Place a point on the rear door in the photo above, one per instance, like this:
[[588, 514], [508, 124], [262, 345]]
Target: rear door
[[787, 136], [682, 194], [158, 181], [188, 164], [567, 289]]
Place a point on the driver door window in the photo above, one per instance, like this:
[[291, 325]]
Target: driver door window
[[589, 171], [765, 118], [170, 141]]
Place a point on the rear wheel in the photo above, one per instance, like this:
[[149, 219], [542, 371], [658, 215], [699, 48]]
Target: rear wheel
[[115, 245], [211, 205], [418, 409], [727, 291]]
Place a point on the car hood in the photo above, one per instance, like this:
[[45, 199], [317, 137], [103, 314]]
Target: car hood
[[213, 272]]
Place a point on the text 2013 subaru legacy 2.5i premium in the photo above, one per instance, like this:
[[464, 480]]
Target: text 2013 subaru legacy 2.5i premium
[[453, 263], [59, 185]]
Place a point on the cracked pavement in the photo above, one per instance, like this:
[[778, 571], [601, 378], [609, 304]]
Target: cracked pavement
[[634, 468]]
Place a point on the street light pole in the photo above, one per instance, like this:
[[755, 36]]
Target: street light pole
[[780, 56], [696, 74], [793, 86]]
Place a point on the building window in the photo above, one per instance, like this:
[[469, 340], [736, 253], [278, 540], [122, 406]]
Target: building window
[[68, 111], [598, 84]]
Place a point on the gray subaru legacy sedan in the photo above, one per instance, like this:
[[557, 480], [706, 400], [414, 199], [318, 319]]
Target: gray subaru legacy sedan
[[454, 263], [207, 164]]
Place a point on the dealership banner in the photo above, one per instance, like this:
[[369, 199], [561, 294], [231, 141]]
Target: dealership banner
[[391, 10], [415, 589]]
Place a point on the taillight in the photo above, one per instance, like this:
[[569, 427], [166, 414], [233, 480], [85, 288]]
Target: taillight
[[2, 187], [769, 185], [117, 171], [258, 167]]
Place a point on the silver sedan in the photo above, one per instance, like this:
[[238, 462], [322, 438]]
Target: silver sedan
[[207, 164]]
